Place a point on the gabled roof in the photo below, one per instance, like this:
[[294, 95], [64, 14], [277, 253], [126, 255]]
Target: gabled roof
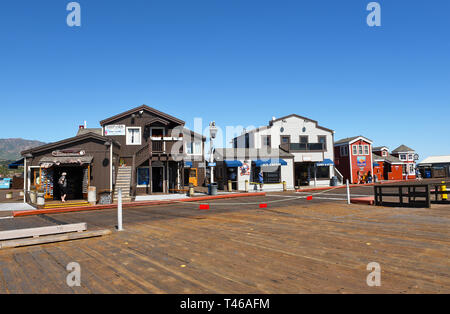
[[247, 153], [83, 131], [69, 141], [403, 149], [145, 108], [350, 140], [194, 134], [380, 148], [389, 159], [300, 117]]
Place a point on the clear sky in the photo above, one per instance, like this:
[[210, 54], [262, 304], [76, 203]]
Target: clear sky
[[238, 62]]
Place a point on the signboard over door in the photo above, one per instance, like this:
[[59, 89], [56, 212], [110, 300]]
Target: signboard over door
[[115, 130]]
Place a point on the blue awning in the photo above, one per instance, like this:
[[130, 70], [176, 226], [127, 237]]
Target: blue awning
[[16, 164], [375, 164], [270, 162], [325, 162], [233, 163], [188, 164]]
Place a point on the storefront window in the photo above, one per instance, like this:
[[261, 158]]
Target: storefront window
[[143, 176], [271, 174], [323, 172]]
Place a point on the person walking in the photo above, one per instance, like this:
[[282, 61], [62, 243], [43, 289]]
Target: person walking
[[261, 179], [369, 177], [62, 182]]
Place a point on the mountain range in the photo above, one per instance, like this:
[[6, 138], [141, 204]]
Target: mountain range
[[10, 148]]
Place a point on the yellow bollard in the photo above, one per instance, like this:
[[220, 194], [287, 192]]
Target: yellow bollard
[[444, 189], [230, 187], [191, 190], [246, 185], [284, 186]]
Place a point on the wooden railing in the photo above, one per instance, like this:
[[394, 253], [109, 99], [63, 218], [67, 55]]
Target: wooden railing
[[403, 195]]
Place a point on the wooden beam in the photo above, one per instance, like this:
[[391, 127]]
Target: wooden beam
[[53, 238], [36, 232]]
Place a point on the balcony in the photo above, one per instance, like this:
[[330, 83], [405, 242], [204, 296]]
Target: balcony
[[303, 147]]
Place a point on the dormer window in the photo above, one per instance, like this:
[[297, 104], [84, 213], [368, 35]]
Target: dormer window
[[384, 153]]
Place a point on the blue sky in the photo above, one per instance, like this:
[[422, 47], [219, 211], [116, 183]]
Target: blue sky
[[238, 62]]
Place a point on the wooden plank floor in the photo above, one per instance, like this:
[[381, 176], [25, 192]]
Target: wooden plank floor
[[296, 247]]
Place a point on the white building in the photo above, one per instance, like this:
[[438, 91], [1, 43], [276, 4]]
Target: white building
[[311, 145]]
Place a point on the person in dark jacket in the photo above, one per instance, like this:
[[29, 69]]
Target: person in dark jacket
[[62, 182]]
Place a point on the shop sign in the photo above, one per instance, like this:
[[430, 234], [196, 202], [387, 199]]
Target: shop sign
[[115, 130], [68, 153], [245, 169], [361, 161]]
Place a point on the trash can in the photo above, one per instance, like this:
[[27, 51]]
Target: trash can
[[33, 197], [212, 189], [40, 199], [92, 195], [334, 181]]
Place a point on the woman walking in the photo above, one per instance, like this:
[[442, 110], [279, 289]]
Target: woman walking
[[62, 182]]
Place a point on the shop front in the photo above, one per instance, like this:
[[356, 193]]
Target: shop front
[[86, 160]]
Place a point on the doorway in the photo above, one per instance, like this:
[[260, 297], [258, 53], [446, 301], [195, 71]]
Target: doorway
[[75, 175], [302, 173], [157, 179]]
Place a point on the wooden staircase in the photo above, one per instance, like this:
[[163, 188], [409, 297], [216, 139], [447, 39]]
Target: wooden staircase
[[123, 181]]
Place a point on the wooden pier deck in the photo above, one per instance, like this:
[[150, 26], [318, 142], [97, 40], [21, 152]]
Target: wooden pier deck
[[295, 247]]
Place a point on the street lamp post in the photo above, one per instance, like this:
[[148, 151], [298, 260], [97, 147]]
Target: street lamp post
[[212, 134]]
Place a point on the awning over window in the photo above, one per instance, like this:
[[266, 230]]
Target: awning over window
[[233, 163], [375, 164], [16, 164], [270, 162], [47, 162], [188, 164], [325, 162]]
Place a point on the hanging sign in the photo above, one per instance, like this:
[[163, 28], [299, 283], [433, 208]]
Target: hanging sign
[[115, 130], [68, 153]]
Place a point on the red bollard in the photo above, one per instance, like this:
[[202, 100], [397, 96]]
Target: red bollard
[[262, 205], [204, 207], [309, 198]]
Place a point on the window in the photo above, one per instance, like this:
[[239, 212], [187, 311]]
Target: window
[[411, 169], [247, 140], [304, 139], [384, 153], [323, 172], [344, 150], [402, 157], [143, 176], [410, 157], [355, 149], [270, 174], [194, 148], [266, 141], [157, 132], [285, 139], [366, 149], [360, 149], [323, 140], [134, 136]]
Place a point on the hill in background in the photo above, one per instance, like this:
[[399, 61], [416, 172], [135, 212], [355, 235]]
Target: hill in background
[[10, 148]]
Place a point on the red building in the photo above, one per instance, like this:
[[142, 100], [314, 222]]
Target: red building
[[407, 157], [353, 157], [385, 165]]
